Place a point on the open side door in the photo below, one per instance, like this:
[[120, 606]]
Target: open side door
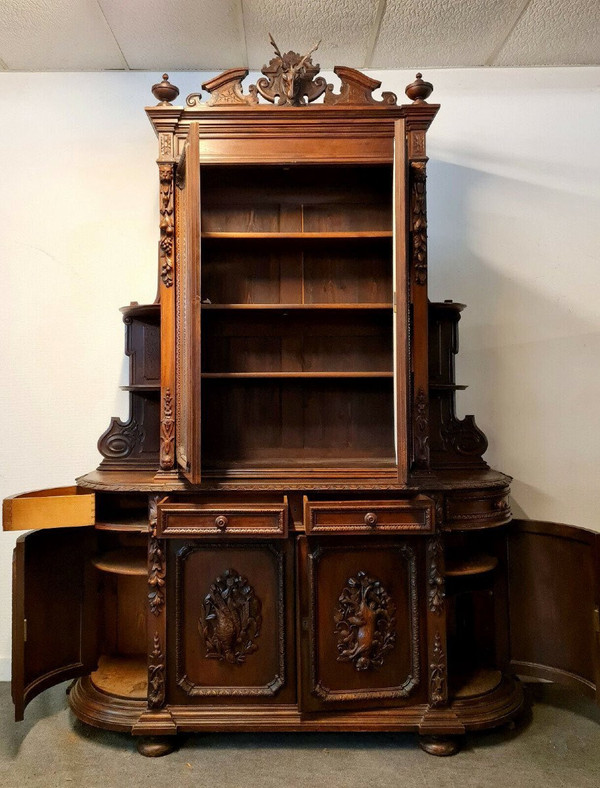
[[553, 603], [188, 361], [54, 620]]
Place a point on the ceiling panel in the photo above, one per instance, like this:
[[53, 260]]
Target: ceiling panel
[[197, 35], [345, 27], [554, 33], [56, 35], [442, 33]]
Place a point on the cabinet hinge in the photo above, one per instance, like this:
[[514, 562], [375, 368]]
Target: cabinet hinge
[[24, 630], [597, 620]]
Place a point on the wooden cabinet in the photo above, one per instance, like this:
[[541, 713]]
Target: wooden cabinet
[[292, 530]]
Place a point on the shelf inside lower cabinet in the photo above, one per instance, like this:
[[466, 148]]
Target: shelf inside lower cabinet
[[123, 676], [123, 561], [476, 682], [471, 565]]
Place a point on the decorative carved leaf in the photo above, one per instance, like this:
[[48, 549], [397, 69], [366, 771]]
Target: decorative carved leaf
[[437, 673], [365, 622], [436, 593], [230, 619], [156, 675]]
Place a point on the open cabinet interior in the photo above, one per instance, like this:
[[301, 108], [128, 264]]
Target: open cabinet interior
[[297, 324]]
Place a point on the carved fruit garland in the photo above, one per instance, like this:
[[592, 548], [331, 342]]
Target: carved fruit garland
[[436, 593], [365, 623], [167, 224], [230, 619], [418, 222], [437, 673]]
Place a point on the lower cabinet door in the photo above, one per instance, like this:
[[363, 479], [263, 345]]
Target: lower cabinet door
[[231, 622], [362, 630]]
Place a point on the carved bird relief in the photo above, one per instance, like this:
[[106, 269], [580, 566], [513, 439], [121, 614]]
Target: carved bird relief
[[365, 622], [230, 619]]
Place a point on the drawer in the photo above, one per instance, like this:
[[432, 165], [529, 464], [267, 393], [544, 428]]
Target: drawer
[[413, 515], [477, 509], [58, 507], [205, 519]]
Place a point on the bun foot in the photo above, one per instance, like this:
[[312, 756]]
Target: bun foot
[[156, 746], [440, 745]]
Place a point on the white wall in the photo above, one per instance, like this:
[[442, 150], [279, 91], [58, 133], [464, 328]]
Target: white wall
[[514, 228]]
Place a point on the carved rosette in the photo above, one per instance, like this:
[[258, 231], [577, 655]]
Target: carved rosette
[[365, 623], [167, 223], [436, 593], [421, 429], [230, 619], [156, 675], [121, 439], [167, 432], [418, 222], [437, 673]]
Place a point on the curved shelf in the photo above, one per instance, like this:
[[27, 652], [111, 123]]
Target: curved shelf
[[141, 311], [140, 387], [124, 677], [136, 525], [478, 682], [472, 565], [124, 561]]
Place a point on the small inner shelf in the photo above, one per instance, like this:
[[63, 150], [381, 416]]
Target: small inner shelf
[[471, 565], [285, 307], [292, 375], [298, 235], [134, 524], [446, 387], [477, 682], [140, 387], [124, 561], [125, 677]]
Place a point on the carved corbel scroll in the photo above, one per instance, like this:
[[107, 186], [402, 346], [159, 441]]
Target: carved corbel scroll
[[356, 88], [121, 439], [227, 89], [167, 224], [291, 79]]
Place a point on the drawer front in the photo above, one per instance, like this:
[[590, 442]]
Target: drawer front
[[58, 507], [413, 515], [220, 520], [477, 509]]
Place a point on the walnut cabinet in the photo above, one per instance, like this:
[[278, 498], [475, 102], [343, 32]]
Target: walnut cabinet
[[293, 530]]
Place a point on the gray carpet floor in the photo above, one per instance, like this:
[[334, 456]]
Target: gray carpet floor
[[557, 745]]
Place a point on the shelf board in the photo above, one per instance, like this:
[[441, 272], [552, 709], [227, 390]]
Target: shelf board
[[285, 307], [124, 561], [141, 311], [472, 565], [134, 524], [125, 677], [478, 682], [447, 387], [300, 235], [140, 387], [251, 375]]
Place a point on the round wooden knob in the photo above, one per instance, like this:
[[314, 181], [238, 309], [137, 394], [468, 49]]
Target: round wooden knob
[[371, 519], [221, 522]]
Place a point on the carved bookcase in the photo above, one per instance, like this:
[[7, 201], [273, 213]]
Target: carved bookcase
[[293, 530]]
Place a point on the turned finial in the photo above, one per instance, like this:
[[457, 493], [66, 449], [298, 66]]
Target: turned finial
[[164, 91], [419, 91]]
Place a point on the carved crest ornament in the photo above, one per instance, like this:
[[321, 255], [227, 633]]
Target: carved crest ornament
[[230, 619], [365, 623]]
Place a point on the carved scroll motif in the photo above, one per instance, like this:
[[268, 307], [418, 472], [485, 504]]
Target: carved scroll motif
[[156, 675], [356, 88], [435, 578], [167, 224], [121, 439], [230, 619], [421, 429], [437, 673], [167, 432], [418, 222], [290, 78], [464, 437], [227, 89], [365, 623]]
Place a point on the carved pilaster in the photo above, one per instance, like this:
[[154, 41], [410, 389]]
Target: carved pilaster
[[156, 674], [435, 577], [421, 428], [438, 674], [167, 431], [167, 222], [156, 620], [418, 222]]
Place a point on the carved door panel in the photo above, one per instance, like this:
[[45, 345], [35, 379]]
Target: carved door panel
[[233, 627], [54, 621], [553, 603], [188, 363], [361, 628]]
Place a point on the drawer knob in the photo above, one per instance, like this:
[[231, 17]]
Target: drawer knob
[[221, 522], [371, 519]]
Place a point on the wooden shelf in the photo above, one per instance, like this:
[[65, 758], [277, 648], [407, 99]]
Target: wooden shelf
[[285, 307], [125, 677], [140, 387], [292, 375], [299, 236], [472, 565], [478, 682], [135, 524], [124, 561], [150, 312], [446, 387]]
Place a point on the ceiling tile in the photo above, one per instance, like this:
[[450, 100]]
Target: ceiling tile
[[442, 33], [554, 33], [56, 35], [178, 34], [343, 26]]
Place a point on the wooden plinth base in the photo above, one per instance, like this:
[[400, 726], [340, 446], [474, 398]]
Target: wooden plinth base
[[156, 746], [440, 745]]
